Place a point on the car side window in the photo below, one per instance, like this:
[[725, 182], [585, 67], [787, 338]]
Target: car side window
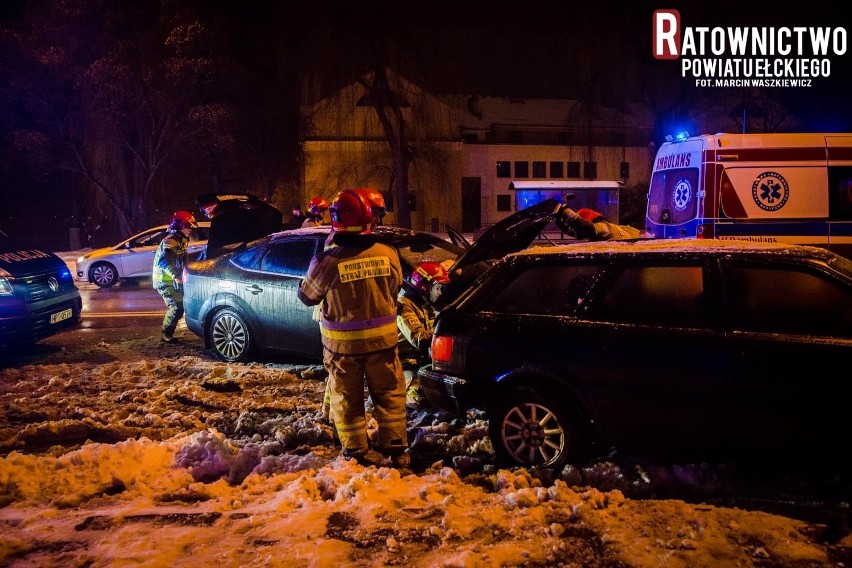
[[198, 234], [655, 295], [291, 258], [250, 260], [787, 300], [150, 239], [546, 290]]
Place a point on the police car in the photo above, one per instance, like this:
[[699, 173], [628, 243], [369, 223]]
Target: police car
[[38, 297]]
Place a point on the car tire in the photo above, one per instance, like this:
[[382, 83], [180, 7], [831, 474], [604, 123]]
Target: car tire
[[103, 275], [230, 336], [528, 428]]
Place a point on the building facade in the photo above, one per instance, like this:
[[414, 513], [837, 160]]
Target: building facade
[[467, 150]]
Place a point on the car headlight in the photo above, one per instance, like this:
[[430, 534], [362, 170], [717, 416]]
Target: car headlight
[[5, 283], [81, 259]]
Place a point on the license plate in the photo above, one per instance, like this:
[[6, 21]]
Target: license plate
[[59, 316]]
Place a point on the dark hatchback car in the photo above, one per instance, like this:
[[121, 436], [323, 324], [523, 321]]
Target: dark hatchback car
[[243, 303], [38, 297], [695, 349]]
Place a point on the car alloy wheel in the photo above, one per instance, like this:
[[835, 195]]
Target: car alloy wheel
[[530, 429], [230, 336], [103, 275]]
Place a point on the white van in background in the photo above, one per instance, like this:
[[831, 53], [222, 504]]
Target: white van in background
[[786, 188]]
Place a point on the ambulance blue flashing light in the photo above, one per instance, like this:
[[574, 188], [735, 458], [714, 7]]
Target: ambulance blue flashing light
[[679, 137]]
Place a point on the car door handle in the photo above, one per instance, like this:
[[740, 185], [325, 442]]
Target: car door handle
[[254, 289]]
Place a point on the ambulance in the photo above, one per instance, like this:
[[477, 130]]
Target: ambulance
[[784, 188]]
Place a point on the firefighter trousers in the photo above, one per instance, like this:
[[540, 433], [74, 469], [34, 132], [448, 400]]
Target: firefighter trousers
[[174, 307], [385, 382]]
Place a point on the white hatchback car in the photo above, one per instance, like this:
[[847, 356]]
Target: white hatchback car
[[132, 258]]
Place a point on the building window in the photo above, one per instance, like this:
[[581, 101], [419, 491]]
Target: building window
[[557, 170], [522, 169], [388, 195], [624, 170], [590, 170], [515, 137], [504, 169], [412, 201], [470, 138], [539, 169], [573, 169], [504, 203]]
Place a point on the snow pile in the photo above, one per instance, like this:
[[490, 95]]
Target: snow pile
[[159, 456]]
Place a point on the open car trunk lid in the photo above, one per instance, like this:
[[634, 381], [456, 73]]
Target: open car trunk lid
[[237, 218], [512, 234]]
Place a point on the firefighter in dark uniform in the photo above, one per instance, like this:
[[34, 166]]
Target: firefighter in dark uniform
[[169, 261], [357, 280]]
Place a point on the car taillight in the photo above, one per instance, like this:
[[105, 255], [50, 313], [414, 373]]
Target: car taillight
[[442, 348]]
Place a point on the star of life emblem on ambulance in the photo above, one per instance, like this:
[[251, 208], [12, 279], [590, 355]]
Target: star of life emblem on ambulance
[[770, 191], [681, 194]]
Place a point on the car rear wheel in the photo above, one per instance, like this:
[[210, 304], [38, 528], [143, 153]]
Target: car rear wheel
[[528, 428], [103, 274], [230, 336]]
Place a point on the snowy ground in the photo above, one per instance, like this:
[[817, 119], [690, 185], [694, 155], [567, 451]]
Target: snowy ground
[[125, 452]]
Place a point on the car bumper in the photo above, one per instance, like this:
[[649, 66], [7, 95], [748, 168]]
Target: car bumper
[[445, 392], [81, 272], [22, 324]]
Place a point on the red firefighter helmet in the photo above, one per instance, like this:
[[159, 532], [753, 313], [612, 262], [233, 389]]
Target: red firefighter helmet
[[317, 206], [351, 213], [182, 220], [426, 274], [376, 201], [590, 214]]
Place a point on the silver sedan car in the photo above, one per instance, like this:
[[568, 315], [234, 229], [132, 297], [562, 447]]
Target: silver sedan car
[[243, 302], [131, 258]]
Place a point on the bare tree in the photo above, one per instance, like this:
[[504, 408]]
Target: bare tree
[[121, 91]]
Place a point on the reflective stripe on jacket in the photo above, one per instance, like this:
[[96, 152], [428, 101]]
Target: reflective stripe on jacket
[[358, 287], [169, 259], [416, 325]]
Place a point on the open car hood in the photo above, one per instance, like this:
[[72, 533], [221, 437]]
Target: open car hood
[[512, 234], [237, 218]]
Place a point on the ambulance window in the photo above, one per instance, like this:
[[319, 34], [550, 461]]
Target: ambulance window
[[840, 198], [671, 198]]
